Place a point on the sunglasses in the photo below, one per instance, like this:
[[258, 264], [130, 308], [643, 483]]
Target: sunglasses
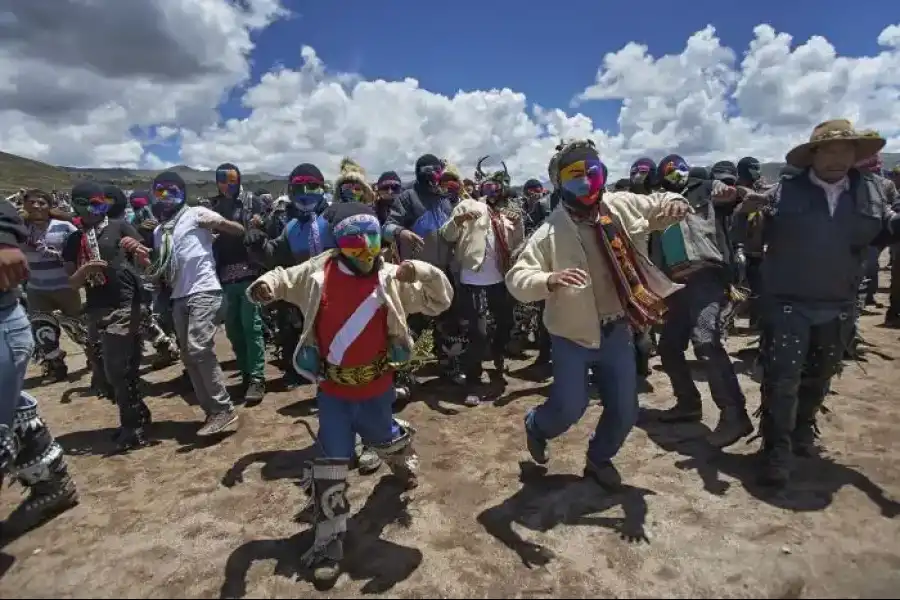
[[227, 176], [393, 188], [168, 192], [301, 189], [94, 205], [432, 171]]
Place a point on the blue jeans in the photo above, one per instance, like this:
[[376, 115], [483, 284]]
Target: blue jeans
[[614, 375], [16, 346], [340, 421]]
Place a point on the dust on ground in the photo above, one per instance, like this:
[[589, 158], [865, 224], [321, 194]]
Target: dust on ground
[[188, 521]]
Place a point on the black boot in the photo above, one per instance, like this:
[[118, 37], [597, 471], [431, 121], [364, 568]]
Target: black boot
[[329, 490], [734, 424], [684, 411], [57, 369], [775, 455], [41, 468]]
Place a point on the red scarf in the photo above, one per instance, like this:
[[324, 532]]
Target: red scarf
[[500, 235], [643, 308]]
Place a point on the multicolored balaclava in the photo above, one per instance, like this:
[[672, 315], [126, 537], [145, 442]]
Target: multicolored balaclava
[[90, 203], [749, 171], [429, 169], [351, 184], [170, 193], [358, 235], [642, 174], [228, 180], [306, 191], [578, 175], [673, 173]]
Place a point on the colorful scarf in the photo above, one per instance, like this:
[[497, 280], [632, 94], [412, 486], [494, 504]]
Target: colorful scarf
[[643, 308], [162, 267], [500, 236]]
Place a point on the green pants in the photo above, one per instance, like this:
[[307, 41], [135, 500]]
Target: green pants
[[244, 328]]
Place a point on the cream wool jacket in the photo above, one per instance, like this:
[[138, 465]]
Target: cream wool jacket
[[556, 245], [431, 294], [470, 238]]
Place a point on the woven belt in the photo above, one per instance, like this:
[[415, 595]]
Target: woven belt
[[360, 375]]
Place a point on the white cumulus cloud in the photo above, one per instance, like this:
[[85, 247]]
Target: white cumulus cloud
[[66, 102]]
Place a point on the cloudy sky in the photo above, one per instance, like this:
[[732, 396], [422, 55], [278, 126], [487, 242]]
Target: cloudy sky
[[268, 84]]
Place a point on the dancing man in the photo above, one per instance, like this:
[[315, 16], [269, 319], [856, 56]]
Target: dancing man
[[597, 287], [355, 308]]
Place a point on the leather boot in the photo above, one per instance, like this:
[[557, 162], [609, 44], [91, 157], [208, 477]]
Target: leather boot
[[329, 489]]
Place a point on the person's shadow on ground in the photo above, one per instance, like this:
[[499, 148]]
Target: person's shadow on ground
[[813, 484], [546, 501], [380, 563], [276, 465], [101, 442]]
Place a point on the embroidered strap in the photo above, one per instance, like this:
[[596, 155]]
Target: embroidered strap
[[500, 237], [643, 308]]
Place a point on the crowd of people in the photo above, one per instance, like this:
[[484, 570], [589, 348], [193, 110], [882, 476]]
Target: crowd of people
[[349, 288]]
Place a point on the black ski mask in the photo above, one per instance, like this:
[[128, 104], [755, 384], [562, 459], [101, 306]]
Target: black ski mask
[[749, 170], [428, 173]]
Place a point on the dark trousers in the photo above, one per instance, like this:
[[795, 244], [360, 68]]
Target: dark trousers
[[695, 316], [803, 352], [754, 282], [499, 303], [894, 308], [121, 343]]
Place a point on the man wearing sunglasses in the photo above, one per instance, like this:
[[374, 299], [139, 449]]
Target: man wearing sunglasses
[[306, 233], [184, 260], [387, 189], [236, 270]]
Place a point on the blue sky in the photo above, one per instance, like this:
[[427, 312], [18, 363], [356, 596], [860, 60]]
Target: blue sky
[[548, 54]]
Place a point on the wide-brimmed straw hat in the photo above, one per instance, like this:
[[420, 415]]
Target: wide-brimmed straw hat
[[868, 143]]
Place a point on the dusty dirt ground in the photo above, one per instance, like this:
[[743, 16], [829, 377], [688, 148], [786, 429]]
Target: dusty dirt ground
[[181, 520]]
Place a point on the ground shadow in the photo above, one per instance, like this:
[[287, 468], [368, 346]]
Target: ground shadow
[[509, 398], [304, 407], [380, 563], [534, 372], [41, 380], [100, 442], [179, 385], [276, 464], [6, 563], [814, 483], [81, 392], [546, 501]]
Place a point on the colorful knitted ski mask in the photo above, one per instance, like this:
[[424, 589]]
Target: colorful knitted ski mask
[[579, 175], [358, 235]]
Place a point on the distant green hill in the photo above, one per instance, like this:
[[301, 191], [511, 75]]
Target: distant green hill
[[17, 172]]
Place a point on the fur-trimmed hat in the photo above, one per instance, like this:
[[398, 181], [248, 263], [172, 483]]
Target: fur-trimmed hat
[[352, 172], [868, 143]]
